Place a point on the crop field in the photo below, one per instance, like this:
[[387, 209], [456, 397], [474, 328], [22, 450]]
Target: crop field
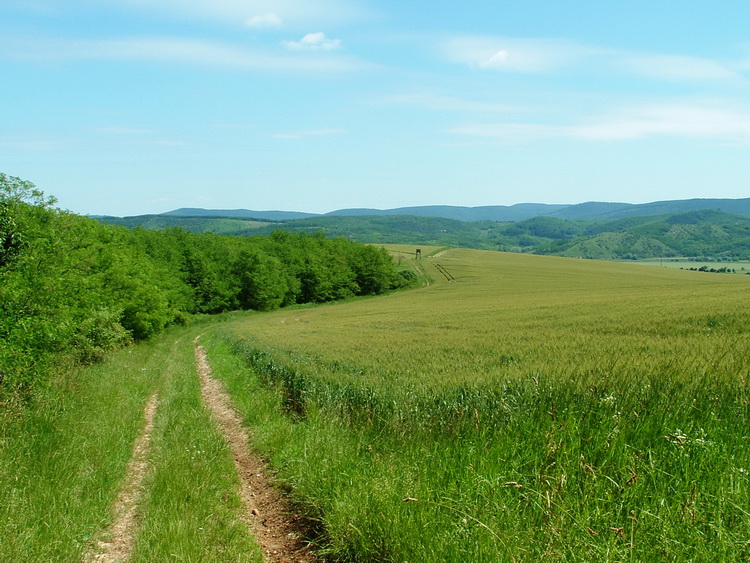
[[516, 408]]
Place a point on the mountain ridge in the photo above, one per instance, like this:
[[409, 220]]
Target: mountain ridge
[[699, 233], [591, 210]]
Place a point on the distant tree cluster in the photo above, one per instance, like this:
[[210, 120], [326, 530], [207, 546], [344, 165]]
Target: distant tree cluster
[[71, 286], [722, 270]]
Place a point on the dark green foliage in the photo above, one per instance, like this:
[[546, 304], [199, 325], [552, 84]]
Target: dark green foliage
[[71, 286], [696, 233], [98, 334], [261, 280], [11, 240], [686, 229]]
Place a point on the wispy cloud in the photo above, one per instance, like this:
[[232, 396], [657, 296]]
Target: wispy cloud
[[524, 55], [242, 11], [39, 144], [677, 119], [173, 50], [304, 133], [545, 55], [678, 67], [313, 42], [715, 121], [269, 19]]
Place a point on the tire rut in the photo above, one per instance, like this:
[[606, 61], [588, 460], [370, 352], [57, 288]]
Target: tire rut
[[276, 529], [116, 542]]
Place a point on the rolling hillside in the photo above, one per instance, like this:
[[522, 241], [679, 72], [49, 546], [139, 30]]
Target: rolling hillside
[[589, 211], [696, 232]]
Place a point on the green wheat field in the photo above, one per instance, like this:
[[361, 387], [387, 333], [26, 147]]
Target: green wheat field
[[517, 408]]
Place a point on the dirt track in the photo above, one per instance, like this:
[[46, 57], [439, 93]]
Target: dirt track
[[277, 530], [116, 543]]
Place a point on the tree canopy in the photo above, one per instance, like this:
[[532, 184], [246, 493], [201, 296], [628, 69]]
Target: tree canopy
[[71, 286]]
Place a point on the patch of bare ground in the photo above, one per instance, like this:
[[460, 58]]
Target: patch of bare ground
[[276, 528], [116, 543]]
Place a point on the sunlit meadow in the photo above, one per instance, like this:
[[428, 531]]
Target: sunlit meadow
[[516, 408]]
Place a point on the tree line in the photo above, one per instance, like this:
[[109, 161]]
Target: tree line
[[75, 288]]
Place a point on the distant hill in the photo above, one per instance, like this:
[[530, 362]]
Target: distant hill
[[610, 211], [713, 228], [239, 214], [517, 212], [705, 233], [589, 211]]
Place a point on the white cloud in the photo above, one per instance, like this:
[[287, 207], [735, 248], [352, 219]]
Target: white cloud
[[313, 42], [525, 55], [544, 55], [498, 60], [687, 120], [265, 20], [679, 119]]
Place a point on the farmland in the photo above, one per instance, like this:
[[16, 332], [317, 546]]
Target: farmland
[[519, 407], [511, 408]]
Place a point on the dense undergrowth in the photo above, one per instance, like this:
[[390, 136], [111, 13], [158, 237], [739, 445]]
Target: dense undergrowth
[[597, 413], [72, 287]]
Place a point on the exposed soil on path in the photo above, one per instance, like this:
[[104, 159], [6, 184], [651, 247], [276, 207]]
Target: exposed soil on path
[[116, 543], [276, 529]]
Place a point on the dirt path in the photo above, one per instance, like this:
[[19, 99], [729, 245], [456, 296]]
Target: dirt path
[[116, 543], [276, 529]]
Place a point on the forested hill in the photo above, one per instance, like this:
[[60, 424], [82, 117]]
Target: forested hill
[[706, 233], [73, 287], [702, 233]]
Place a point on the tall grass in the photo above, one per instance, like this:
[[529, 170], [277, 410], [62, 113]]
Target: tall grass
[[532, 408], [192, 511], [64, 459]]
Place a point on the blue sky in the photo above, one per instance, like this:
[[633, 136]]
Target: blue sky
[[127, 107]]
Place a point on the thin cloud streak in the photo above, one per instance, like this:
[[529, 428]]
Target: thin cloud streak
[[547, 55], [313, 42], [292, 12], [678, 67], [265, 20], [682, 120], [514, 54], [176, 50]]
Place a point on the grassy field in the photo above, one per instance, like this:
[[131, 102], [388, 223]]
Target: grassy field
[[513, 408], [518, 408]]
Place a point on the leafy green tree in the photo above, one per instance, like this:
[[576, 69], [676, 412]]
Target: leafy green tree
[[374, 271], [18, 199], [261, 281]]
